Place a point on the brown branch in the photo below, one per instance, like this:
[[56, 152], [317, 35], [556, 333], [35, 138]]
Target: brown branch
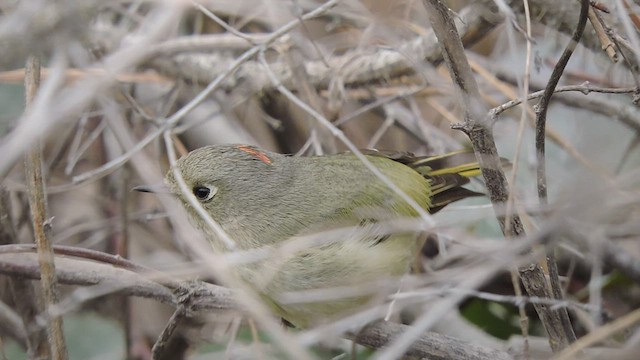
[[12, 321], [161, 345], [108, 279], [41, 222], [562, 338], [607, 44], [543, 104], [11, 324], [117, 280], [430, 345], [353, 69], [560, 16], [195, 59], [26, 307], [477, 126]]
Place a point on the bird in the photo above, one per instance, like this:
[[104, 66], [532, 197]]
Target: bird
[[266, 200]]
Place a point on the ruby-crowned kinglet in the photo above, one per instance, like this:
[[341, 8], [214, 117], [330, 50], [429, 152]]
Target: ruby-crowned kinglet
[[265, 199]]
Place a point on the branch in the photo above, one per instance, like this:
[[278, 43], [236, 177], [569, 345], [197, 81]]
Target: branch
[[106, 279], [22, 291], [41, 222], [352, 69], [197, 63], [477, 126], [566, 336], [111, 279], [430, 345]]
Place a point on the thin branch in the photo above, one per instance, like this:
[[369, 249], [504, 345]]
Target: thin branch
[[430, 345], [354, 68], [110, 279], [42, 223], [583, 88], [567, 336], [11, 324], [54, 107], [22, 291], [478, 127], [607, 44], [79, 252], [160, 346], [515, 281], [208, 297], [543, 105], [600, 334], [170, 122]]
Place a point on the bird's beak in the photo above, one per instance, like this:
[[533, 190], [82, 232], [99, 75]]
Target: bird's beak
[[155, 189]]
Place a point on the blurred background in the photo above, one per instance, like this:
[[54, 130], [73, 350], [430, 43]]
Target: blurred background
[[121, 79]]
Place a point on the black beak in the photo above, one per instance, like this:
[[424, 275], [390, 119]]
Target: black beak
[[155, 189]]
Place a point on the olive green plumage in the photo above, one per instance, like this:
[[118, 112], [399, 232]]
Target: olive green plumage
[[261, 198]]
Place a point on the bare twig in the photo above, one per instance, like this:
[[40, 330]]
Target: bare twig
[[43, 118], [110, 279], [23, 291], [160, 346], [543, 104], [583, 88], [567, 336], [607, 45], [602, 333], [354, 68], [211, 87], [11, 324], [479, 131], [430, 345], [207, 297], [42, 223], [515, 281]]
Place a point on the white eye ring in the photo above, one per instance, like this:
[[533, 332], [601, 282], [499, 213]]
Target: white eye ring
[[204, 193]]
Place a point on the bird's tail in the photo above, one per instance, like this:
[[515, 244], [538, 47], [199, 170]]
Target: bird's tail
[[447, 174]]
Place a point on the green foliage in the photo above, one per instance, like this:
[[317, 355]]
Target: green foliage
[[494, 318]]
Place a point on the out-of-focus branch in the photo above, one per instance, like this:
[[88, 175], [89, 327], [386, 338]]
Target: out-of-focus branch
[[430, 345], [562, 16], [35, 24], [111, 279], [215, 84], [11, 324], [108, 279], [161, 345], [198, 64], [57, 108], [618, 258], [22, 291], [352, 69]]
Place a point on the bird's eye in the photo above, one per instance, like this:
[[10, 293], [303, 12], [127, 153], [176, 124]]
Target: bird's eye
[[204, 193]]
